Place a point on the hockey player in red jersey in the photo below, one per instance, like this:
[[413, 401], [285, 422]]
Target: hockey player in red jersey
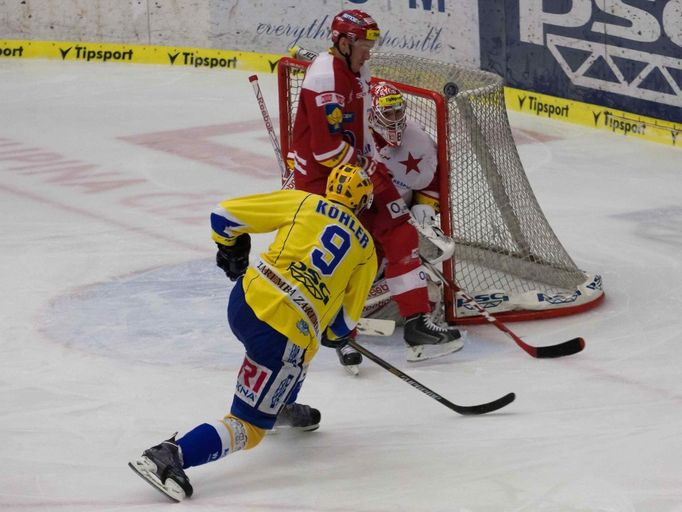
[[330, 127], [406, 194], [308, 288]]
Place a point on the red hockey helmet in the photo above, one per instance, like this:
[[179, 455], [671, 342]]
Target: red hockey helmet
[[356, 25]]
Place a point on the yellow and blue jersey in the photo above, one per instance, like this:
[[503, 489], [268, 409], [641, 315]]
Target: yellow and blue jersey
[[316, 273]]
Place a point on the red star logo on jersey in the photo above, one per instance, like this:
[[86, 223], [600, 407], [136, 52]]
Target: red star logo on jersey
[[411, 164]]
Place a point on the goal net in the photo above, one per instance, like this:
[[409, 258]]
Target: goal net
[[506, 254]]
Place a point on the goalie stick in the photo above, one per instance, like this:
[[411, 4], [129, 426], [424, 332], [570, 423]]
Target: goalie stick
[[466, 410], [375, 327], [565, 348], [286, 174]]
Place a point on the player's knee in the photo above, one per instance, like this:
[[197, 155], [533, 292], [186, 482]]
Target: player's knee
[[254, 435]]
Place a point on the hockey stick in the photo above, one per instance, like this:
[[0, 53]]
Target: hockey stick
[[286, 175], [565, 348], [466, 410], [375, 327]]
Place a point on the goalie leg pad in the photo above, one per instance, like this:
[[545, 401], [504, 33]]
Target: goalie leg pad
[[410, 293]]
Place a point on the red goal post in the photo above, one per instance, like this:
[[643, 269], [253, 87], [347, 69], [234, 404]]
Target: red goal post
[[507, 256]]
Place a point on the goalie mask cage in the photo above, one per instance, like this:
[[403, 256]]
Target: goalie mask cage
[[506, 254]]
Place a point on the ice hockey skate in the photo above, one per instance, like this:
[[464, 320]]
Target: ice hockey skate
[[427, 340], [349, 358], [161, 466], [297, 417]]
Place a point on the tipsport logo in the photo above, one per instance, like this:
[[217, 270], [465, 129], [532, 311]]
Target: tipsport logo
[[619, 124], [200, 61], [536, 105], [17, 51], [88, 54], [637, 47]]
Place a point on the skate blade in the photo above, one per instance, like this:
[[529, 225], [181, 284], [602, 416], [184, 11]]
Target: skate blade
[[146, 469], [286, 428], [352, 369], [426, 352]]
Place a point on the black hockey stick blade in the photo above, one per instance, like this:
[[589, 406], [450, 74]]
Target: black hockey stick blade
[[474, 410], [572, 346], [465, 410]]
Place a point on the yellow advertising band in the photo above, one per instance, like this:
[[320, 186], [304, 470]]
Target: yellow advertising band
[[139, 54], [594, 116]]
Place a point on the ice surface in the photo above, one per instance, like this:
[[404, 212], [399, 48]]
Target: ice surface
[[114, 333]]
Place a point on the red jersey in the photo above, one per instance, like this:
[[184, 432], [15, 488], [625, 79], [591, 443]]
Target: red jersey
[[330, 127]]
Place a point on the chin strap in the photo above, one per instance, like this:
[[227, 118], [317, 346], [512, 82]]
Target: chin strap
[[346, 57]]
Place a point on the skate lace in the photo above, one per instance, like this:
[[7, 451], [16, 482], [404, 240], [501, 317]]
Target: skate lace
[[347, 349], [431, 325]]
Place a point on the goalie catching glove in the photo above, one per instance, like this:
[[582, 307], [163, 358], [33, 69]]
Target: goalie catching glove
[[424, 214], [434, 245], [234, 258]]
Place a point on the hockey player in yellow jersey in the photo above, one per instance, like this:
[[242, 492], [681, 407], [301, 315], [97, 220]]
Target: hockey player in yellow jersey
[[308, 288], [301, 282]]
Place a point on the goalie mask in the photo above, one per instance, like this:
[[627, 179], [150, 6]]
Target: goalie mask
[[349, 185], [388, 115]]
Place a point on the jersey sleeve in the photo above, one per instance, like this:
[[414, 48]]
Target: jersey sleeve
[[246, 214], [325, 111]]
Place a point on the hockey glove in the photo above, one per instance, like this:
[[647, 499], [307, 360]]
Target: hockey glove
[[234, 259], [434, 245], [424, 214], [367, 163]]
